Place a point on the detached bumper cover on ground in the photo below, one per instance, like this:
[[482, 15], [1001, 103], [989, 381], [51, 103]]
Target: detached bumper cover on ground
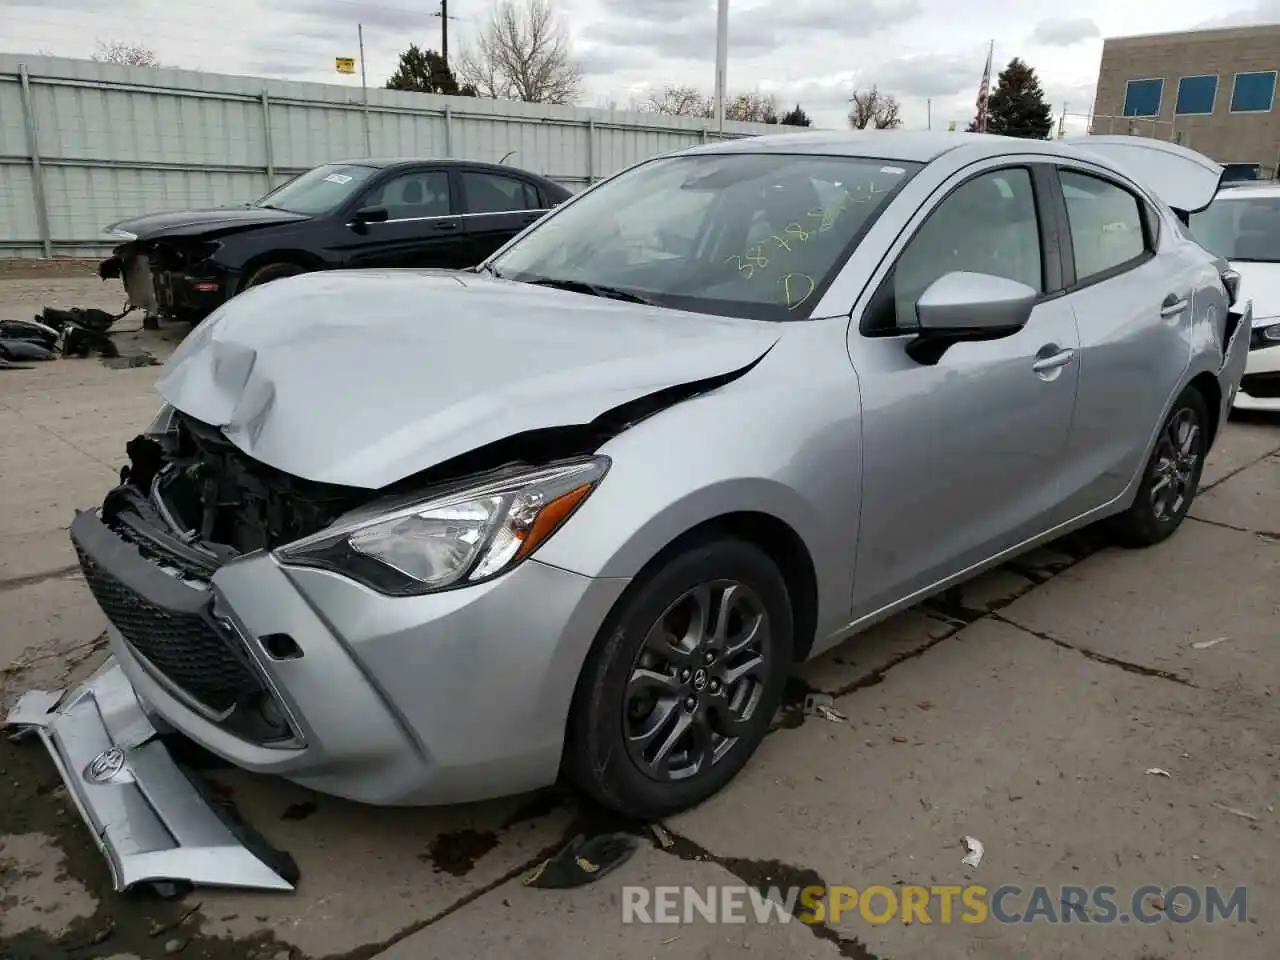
[[151, 818]]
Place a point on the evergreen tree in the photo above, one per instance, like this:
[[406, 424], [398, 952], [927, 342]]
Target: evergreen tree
[[796, 118], [1017, 107], [425, 71]]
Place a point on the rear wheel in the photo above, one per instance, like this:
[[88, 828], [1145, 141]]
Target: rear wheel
[[273, 271], [1172, 476], [683, 681]]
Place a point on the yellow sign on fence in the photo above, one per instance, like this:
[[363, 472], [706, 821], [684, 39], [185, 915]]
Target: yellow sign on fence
[[345, 64]]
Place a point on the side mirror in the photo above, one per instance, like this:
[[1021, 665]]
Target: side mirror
[[974, 306], [371, 215]]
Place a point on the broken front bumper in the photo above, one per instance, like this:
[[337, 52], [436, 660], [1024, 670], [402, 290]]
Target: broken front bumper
[[154, 820]]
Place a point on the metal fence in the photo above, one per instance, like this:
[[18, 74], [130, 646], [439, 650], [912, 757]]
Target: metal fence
[[84, 143]]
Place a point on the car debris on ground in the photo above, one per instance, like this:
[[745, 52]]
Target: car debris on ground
[[976, 851], [77, 332], [582, 861], [821, 705]]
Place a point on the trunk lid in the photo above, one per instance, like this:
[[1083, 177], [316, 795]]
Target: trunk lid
[[1184, 179]]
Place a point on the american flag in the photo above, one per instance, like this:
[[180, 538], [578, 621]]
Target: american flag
[[984, 90]]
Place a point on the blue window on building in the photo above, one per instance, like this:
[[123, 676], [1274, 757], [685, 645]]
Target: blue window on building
[[1253, 92], [1142, 98], [1196, 95]]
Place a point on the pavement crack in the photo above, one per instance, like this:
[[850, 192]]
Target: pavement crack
[[764, 876], [1268, 535], [72, 657], [15, 583], [369, 950], [1126, 665], [1206, 487]]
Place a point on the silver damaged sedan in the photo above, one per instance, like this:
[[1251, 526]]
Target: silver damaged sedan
[[422, 537]]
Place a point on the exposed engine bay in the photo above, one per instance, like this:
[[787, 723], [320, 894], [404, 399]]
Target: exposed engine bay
[[191, 500]]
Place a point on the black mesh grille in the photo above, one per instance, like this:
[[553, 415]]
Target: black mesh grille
[[1262, 386], [183, 646]]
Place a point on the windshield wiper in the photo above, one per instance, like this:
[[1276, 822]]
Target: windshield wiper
[[594, 289]]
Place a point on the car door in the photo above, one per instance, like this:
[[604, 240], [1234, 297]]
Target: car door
[[497, 207], [962, 457], [1134, 310], [422, 227]]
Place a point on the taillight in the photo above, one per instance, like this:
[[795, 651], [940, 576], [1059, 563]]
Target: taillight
[[1231, 281]]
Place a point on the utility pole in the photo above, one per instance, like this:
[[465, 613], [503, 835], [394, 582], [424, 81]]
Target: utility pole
[[443, 14], [928, 106], [722, 59], [364, 92]]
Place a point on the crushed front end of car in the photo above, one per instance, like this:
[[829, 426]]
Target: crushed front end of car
[[173, 278], [237, 621]]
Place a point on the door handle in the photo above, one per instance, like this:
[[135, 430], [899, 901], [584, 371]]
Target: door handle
[[1173, 305], [447, 226], [1053, 361]]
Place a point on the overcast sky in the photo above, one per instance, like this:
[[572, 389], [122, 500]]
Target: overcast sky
[[926, 52]]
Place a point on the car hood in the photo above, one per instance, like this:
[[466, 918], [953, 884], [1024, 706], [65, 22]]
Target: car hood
[[178, 223], [1260, 282], [363, 378]]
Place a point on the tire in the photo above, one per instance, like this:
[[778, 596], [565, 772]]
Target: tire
[[1171, 477], [617, 692], [273, 271]]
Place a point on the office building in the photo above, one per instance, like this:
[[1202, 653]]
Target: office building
[[1212, 90]]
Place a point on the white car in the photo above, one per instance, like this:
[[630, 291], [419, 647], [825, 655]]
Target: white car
[[1243, 225]]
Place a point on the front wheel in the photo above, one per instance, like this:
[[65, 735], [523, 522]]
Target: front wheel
[[1172, 476], [683, 681]]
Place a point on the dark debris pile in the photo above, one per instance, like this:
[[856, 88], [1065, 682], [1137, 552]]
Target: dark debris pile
[[53, 333]]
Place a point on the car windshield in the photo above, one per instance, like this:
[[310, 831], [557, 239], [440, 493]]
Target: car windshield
[[1240, 228], [322, 190], [744, 235]]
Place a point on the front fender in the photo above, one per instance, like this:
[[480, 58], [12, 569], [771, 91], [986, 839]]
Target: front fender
[[761, 444]]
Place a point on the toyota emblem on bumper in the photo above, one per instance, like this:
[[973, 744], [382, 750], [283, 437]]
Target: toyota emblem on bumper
[[106, 766]]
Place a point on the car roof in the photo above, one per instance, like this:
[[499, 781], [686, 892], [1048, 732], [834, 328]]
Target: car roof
[[918, 146], [388, 163], [911, 146]]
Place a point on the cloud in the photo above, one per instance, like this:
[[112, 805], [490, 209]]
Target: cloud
[[687, 29], [927, 76], [1264, 11], [1064, 32]]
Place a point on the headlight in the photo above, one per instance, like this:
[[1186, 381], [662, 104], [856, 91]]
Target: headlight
[[1269, 333], [165, 421], [456, 538]]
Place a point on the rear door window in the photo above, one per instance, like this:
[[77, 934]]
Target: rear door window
[[494, 193]]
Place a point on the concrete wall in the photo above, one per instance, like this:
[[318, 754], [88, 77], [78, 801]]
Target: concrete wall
[[1226, 137], [85, 143]]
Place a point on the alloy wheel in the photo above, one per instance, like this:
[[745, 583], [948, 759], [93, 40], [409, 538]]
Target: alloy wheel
[[697, 681], [1175, 465]]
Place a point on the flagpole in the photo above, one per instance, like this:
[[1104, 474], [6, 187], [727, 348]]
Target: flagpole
[[984, 90]]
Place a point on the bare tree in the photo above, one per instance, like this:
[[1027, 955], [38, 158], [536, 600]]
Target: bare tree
[[126, 54], [752, 108], [677, 100], [871, 108], [681, 100], [522, 52]]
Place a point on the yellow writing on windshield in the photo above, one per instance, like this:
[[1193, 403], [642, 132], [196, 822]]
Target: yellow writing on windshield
[[797, 288]]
